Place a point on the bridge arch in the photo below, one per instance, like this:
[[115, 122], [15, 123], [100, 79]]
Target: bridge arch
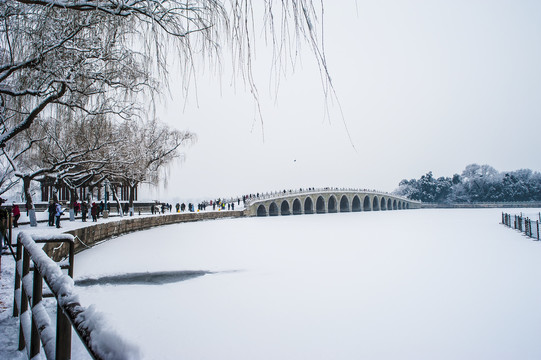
[[320, 205], [407, 205], [297, 207], [383, 204], [332, 204], [389, 204], [375, 204], [366, 204], [344, 204], [284, 208], [308, 205], [356, 204], [261, 210], [395, 206], [273, 209], [400, 205]]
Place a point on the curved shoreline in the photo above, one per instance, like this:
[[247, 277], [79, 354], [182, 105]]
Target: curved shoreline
[[90, 235]]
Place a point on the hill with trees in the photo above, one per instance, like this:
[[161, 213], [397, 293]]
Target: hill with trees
[[477, 183]]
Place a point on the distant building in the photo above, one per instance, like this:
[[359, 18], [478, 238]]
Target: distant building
[[96, 192]]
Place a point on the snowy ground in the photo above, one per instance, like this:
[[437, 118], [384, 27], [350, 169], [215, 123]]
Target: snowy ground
[[419, 284], [9, 325]]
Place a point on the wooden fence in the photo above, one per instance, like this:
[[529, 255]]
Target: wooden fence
[[523, 224]]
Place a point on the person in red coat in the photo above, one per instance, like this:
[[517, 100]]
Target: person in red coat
[[94, 212], [16, 215]]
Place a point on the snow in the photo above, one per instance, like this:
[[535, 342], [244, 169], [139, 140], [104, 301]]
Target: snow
[[104, 341], [418, 284]]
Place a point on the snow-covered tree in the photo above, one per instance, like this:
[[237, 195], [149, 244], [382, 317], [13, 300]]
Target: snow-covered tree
[[478, 183], [98, 56], [149, 147], [7, 176]]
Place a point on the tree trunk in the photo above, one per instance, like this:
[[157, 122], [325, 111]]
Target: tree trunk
[[132, 198], [115, 198], [29, 202], [73, 199]]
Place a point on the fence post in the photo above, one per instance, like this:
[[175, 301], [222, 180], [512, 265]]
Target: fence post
[[63, 325], [63, 335], [35, 342], [24, 299], [537, 229], [18, 257], [10, 232]]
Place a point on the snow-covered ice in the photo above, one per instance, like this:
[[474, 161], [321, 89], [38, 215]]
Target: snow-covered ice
[[420, 284]]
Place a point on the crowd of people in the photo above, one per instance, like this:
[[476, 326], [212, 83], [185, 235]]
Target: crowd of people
[[94, 210], [56, 211]]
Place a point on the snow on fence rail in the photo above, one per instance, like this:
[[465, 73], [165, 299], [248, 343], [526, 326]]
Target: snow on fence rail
[[36, 331], [523, 224]]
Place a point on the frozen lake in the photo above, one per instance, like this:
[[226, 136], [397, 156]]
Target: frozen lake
[[417, 284]]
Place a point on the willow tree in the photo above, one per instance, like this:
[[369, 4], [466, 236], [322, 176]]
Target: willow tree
[[98, 56], [148, 147]]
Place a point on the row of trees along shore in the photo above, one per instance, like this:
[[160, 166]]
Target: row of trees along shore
[[79, 79], [477, 183]]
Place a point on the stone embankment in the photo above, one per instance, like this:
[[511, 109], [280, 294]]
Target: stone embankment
[[90, 235]]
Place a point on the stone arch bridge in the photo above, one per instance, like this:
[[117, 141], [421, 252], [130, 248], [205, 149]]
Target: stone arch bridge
[[327, 200]]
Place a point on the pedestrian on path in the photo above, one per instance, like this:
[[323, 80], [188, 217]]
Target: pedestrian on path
[[94, 212], [52, 211], [58, 214], [16, 215], [84, 210]]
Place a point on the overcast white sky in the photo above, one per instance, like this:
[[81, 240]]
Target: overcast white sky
[[424, 85]]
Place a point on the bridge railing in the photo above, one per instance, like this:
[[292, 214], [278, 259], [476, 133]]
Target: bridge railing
[[283, 193], [35, 329]]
